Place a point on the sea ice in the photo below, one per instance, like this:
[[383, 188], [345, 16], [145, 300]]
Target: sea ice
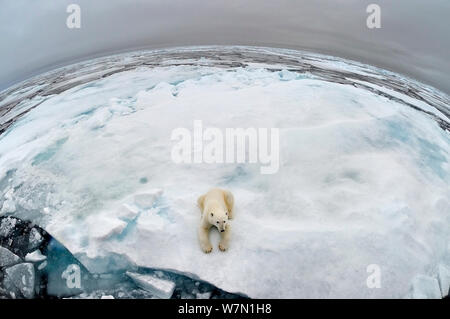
[[42, 265], [147, 199], [35, 256], [205, 295], [35, 239], [127, 212], [161, 288], [22, 277], [8, 207], [425, 287], [444, 279], [7, 258], [6, 226], [363, 178], [106, 227]]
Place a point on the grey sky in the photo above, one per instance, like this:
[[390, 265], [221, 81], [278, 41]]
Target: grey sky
[[413, 40]]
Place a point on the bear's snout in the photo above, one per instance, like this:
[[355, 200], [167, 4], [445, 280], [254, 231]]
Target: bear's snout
[[222, 230]]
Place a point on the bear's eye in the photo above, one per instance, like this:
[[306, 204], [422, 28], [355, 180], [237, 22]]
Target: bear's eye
[[212, 214], [217, 222]]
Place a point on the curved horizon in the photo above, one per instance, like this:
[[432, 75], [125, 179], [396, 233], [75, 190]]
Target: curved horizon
[[110, 27]]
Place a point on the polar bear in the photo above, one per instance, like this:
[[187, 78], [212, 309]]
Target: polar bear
[[217, 208]]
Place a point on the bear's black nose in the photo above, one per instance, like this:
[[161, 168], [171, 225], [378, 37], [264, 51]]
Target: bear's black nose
[[222, 231]]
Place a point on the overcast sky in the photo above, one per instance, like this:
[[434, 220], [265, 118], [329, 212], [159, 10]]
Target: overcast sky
[[413, 39]]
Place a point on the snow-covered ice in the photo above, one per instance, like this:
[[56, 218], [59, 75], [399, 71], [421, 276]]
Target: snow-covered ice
[[8, 207], [42, 265], [444, 279], [146, 200], [425, 287], [205, 295], [7, 226], [34, 239], [363, 179]]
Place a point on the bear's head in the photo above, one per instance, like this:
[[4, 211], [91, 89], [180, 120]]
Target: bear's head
[[217, 216]]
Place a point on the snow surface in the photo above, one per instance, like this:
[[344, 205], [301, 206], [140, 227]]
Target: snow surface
[[362, 180], [425, 287]]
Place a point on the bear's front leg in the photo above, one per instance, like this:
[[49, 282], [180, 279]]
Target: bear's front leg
[[203, 236], [225, 238]]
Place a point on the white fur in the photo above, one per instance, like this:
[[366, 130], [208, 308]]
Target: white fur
[[217, 208]]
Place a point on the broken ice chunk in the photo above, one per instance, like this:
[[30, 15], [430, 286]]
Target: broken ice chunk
[[35, 239], [107, 297], [8, 193], [286, 75], [444, 279], [147, 199], [150, 221], [425, 287], [35, 256], [159, 287], [205, 295], [128, 212], [7, 258], [99, 118], [9, 206], [42, 266], [22, 277], [186, 295], [104, 228]]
